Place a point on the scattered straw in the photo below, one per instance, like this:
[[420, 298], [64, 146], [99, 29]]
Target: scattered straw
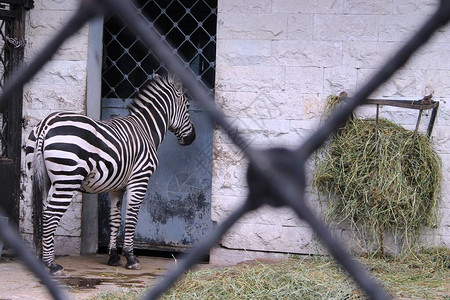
[[419, 275], [390, 185]]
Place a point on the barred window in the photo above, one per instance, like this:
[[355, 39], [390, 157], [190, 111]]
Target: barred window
[[189, 27]]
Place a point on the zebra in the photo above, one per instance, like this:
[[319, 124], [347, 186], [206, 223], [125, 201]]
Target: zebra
[[69, 152]]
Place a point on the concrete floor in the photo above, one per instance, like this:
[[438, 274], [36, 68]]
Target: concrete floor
[[83, 276]]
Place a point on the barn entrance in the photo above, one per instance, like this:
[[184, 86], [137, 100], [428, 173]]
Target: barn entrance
[[12, 43], [176, 211]]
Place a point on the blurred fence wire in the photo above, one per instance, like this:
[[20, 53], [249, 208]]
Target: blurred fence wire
[[276, 176]]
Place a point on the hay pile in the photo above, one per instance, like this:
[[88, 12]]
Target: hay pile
[[390, 185]]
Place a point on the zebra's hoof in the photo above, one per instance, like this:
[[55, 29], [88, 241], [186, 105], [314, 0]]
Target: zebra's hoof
[[132, 262], [114, 260], [134, 266], [55, 269]]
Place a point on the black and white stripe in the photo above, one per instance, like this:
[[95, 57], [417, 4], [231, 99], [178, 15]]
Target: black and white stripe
[[70, 152]]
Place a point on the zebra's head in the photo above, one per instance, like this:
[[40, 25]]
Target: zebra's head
[[180, 123]]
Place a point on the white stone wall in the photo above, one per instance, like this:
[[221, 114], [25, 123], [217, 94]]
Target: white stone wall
[[60, 85], [277, 61]]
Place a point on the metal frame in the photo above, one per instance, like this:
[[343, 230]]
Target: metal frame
[[11, 55], [275, 176], [424, 104], [12, 42]]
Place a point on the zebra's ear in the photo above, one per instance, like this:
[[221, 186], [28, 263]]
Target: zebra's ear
[[176, 81]]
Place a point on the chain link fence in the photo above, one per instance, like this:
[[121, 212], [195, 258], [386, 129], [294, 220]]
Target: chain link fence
[[276, 176]]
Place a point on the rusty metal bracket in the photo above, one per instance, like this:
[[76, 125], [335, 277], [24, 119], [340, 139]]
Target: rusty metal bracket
[[423, 104]]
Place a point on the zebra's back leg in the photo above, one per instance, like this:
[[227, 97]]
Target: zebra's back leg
[[61, 196], [115, 219], [135, 196]]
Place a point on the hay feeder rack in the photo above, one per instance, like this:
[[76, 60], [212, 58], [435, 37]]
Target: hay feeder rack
[[426, 103]]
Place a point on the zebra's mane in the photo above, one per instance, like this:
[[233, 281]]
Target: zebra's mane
[[139, 103]]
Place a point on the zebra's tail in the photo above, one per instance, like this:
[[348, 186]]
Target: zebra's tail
[[40, 182]]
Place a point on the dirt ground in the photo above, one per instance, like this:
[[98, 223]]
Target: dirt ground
[[83, 276]]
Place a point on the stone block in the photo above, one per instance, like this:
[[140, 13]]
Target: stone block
[[272, 26], [70, 224], [328, 27], [273, 216], [223, 206], [441, 139], [55, 98], [44, 24], [303, 129], [339, 79], [236, 104], [394, 28], [49, 22], [59, 5], [263, 237], [444, 214], [238, 52], [237, 26], [261, 132], [250, 78], [229, 171], [376, 7], [220, 256], [366, 54], [415, 7], [410, 83], [288, 105], [75, 48], [307, 53], [445, 185], [312, 107], [300, 106], [371, 55], [58, 72], [67, 245], [250, 6], [430, 56], [307, 6], [300, 27], [25, 214], [443, 113], [304, 80], [438, 81], [439, 236]]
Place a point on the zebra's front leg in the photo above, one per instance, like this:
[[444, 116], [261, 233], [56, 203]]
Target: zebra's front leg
[[115, 219], [134, 200]]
